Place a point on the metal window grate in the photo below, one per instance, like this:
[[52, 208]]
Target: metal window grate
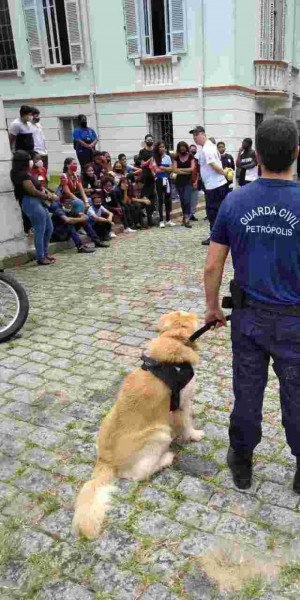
[[8, 60], [67, 124], [161, 127]]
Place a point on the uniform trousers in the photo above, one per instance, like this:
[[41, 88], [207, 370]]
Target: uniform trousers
[[214, 199], [259, 335]]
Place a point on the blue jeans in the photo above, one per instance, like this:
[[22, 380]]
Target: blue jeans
[[194, 200], [185, 196], [41, 223], [258, 335]]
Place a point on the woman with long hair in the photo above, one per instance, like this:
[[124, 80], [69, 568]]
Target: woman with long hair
[[70, 183], [162, 166], [33, 200], [184, 166]]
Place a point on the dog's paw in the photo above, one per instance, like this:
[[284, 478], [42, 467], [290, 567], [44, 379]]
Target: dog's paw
[[196, 435], [166, 460]]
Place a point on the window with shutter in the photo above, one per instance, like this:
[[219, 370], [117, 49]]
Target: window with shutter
[[154, 27], [74, 31], [177, 25], [272, 29], [33, 32], [131, 14]]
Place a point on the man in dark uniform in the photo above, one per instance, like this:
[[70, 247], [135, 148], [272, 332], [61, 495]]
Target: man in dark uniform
[[260, 224]]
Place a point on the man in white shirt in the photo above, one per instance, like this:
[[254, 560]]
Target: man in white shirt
[[21, 131], [39, 137], [212, 174]]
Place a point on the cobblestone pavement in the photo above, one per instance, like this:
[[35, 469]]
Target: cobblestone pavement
[[187, 533]]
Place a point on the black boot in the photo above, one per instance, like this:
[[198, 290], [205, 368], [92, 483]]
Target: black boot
[[240, 464], [296, 482]]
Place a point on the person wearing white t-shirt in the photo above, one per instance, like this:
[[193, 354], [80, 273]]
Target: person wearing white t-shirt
[[39, 138], [212, 174]]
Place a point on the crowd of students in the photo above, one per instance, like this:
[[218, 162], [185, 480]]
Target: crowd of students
[[104, 193]]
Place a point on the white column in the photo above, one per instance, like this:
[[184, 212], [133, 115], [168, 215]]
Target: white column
[[12, 238]]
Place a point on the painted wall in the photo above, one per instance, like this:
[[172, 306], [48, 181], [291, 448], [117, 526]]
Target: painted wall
[[12, 239], [296, 55], [219, 47], [246, 40]]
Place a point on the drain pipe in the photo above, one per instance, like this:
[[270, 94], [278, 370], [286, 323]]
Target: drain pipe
[[93, 92]]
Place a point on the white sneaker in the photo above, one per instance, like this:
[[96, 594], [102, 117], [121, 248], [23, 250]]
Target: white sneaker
[[128, 230], [170, 224], [162, 225], [112, 235]]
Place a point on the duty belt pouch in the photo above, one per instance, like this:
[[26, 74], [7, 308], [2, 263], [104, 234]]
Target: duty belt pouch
[[237, 298]]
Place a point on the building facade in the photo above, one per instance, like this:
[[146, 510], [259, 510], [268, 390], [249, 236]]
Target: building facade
[[134, 66]]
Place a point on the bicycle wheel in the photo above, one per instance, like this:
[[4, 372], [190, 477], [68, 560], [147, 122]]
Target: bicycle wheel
[[14, 306]]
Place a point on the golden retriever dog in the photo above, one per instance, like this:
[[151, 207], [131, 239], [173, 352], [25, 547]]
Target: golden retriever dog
[[134, 438]]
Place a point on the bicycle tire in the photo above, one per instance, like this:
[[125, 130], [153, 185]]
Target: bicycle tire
[[23, 310]]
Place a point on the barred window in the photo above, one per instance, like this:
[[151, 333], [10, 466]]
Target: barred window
[[67, 124], [161, 127], [8, 60]]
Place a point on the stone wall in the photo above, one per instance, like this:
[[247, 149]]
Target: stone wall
[[12, 239]]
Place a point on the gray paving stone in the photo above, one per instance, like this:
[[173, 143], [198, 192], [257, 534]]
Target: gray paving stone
[[232, 525], [46, 437], [159, 526], [157, 498], [109, 578], [115, 545], [197, 515], [66, 591], [287, 520], [198, 544], [10, 445], [58, 523], [35, 480], [8, 466], [277, 494], [195, 489], [197, 586], [157, 590], [195, 465], [238, 503], [32, 542]]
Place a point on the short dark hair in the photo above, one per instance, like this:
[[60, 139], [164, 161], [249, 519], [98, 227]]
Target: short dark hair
[[148, 135], [248, 140], [35, 111], [122, 155], [276, 142], [219, 143], [25, 110]]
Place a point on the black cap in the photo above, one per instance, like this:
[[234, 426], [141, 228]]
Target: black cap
[[197, 129]]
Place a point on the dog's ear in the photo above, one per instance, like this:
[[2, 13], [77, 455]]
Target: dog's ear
[[167, 321]]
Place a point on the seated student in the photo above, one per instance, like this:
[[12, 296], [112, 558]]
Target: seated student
[[38, 171], [89, 180], [67, 217], [126, 167], [70, 183], [99, 165], [100, 218], [112, 201], [133, 193], [119, 171]]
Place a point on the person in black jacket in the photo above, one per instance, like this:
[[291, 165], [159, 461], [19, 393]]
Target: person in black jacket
[[227, 159]]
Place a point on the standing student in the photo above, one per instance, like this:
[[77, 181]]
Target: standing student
[[212, 174], [39, 138], [247, 162], [21, 131], [163, 167], [184, 166], [195, 184], [85, 140], [33, 199], [226, 158], [145, 156]]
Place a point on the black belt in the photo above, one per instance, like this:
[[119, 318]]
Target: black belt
[[292, 310]]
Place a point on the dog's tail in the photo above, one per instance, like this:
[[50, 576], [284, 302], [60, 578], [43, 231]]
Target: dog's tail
[[93, 501]]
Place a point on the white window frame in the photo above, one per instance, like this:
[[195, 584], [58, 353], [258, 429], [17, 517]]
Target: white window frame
[[61, 119], [37, 35], [143, 28]]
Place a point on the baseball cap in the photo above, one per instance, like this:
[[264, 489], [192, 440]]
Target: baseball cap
[[197, 129]]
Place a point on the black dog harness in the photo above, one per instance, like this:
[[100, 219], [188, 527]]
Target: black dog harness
[[175, 375]]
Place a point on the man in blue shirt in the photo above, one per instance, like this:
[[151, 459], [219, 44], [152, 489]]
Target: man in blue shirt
[[85, 140], [260, 224]]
